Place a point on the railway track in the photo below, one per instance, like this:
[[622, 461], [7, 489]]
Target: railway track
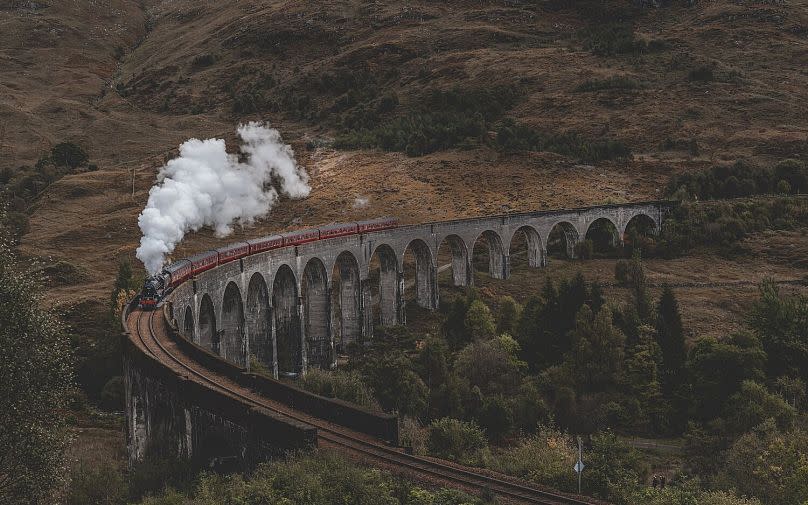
[[142, 328]]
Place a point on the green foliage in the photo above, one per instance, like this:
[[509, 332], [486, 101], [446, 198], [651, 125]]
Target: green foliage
[[753, 404], [639, 288], [621, 272], [769, 464], [68, 154], [395, 384], [741, 179], [721, 225], [35, 382], [688, 494], [454, 326], [717, 370], [488, 366], [342, 384], [508, 318], [701, 74], [443, 119], [614, 82], [512, 137], [642, 378], [781, 323], [610, 39], [496, 417], [479, 322], [546, 458], [112, 394], [584, 249], [323, 478], [99, 485], [203, 60], [597, 353], [671, 339], [614, 470], [547, 320], [457, 440]]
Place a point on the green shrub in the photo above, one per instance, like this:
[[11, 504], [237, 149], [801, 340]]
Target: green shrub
[[322, 478], [584, 249], [112, 394], [722, 224], [701, 74], [546, 458], [611, 39], [96, 484], [442, 119], [614, 82], [515, 137], [456, 440], [345, 385], [496, 417], [621, 272], [68, 154], [203, 60]]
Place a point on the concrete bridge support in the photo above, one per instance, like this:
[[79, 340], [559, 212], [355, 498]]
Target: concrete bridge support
[[170, 417], [287, 328]]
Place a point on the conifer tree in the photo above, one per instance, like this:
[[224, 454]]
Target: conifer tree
[[670, 337]]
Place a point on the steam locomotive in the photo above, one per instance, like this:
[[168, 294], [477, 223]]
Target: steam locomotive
[[158, 286]]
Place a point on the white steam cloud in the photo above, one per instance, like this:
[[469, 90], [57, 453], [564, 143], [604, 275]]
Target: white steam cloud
[[206, 186]]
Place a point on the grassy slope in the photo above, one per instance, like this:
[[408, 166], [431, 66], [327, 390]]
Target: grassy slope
[[61, 77]]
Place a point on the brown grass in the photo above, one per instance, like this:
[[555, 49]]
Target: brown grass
[[62, 65]]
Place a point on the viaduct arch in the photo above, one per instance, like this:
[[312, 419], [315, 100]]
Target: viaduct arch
[[293, 308]]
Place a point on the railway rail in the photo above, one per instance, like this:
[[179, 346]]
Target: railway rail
[[148, 333]]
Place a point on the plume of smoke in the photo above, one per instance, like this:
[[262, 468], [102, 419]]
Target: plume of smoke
[[206, 186]]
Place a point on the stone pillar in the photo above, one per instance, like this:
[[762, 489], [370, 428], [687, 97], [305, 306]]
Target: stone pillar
[[366, 310], [506, 266], [273, 337], [301, 328], [401, 314], [433, 287]]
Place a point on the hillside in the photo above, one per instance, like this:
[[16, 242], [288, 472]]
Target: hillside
[[681, 87]]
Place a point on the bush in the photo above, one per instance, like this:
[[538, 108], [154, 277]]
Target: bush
[[615, 470], [345, 385], [456, 440], [112, 394], [613, 39], [99, 485], [701, 74], [496, 417], [621, 272], [584, 249], [68, 154], [203, 60], [742, 179], [614, 82], [722, 224], [546, 458], [441, 120], [769, 464], [515, 137]]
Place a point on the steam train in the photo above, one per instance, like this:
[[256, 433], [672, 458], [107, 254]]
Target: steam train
[[158, 286]]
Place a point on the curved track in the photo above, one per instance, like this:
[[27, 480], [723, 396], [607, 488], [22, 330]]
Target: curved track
[[149, 334]]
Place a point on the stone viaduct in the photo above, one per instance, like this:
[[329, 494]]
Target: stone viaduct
[[296, 307]]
